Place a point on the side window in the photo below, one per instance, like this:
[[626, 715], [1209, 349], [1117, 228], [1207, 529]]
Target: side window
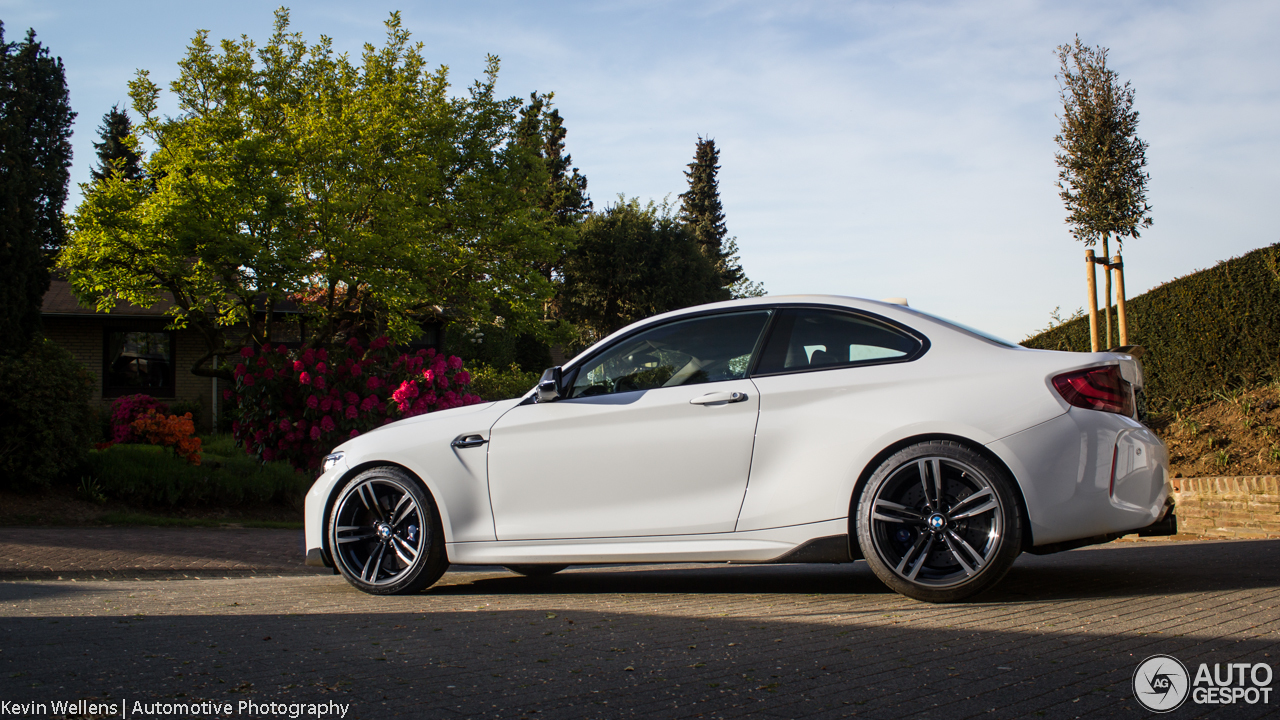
[[813, 338], [707, 349]]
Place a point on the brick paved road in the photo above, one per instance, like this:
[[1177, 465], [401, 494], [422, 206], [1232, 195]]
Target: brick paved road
[[1060, 637]]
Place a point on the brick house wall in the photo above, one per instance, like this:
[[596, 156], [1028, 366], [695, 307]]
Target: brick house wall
[[81, 331]]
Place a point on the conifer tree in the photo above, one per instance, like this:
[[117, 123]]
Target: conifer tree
[[115, 152], [35, 157], [702, 213], [542, 129]]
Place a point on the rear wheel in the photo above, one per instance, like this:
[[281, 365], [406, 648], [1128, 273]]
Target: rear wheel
[[536, 570], [938, 522], [385, 533]]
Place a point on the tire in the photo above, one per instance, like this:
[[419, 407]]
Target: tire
[[939, 551], [385, 533], [536, 570]]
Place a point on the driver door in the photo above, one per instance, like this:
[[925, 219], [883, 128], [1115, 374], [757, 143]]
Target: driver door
[[654, 438]]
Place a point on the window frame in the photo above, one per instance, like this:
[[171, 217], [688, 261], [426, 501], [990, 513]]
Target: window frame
[[170, 387], [923, 343]]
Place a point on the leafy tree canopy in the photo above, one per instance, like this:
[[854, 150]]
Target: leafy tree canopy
[[1102, 159], [363, 189], [633, 262], [35, 158]]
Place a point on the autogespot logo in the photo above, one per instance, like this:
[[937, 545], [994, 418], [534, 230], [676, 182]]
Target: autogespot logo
[[1161, 683]]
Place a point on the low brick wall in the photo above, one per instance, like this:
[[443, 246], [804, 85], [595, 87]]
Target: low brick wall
[[1234, 507]]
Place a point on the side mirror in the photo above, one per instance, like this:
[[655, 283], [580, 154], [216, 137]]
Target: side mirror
[[550, 387]]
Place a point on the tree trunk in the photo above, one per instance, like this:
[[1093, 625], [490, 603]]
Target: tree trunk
[[1106, 254], [1123, 319], [1092, 277]]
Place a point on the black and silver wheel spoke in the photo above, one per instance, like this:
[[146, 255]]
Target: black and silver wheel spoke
[[365, 533], [920, 553], [893, 512], [961, 548], [975, 504], [406, 552], [369, 573], [370, 500]]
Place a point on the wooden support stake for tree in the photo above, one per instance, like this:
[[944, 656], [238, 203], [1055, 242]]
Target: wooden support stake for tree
[[1093, 299], [1118, 264]]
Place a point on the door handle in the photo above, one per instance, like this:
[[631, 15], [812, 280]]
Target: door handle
[[468, 441], [719, 398]]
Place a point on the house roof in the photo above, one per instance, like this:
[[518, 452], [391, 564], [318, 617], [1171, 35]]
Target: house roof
[[59, 300]]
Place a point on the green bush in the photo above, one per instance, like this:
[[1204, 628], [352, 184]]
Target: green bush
[[150, 476], [1212, 330], [46, 421], [501, 384]]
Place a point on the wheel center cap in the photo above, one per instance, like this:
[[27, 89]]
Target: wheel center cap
[[937, 521], [384, 531]]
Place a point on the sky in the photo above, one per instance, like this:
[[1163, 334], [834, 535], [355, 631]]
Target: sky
[[867, 148]]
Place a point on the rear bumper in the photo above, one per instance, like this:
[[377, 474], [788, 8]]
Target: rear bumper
[[1088, 474]]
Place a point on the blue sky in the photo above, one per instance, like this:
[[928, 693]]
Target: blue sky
[[867, 148]]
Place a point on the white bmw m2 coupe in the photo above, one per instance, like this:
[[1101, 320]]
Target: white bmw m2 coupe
[[768, 430]]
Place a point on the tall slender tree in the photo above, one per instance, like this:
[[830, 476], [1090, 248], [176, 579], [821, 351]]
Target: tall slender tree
[[542, 129], [1101, 176], [116, 153], [35, 158], [702, 212]]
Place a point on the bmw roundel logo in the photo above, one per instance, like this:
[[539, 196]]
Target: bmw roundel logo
[[936, 521]]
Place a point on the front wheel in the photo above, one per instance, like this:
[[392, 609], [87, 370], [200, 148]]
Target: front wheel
[[938, 522], [385, 533]]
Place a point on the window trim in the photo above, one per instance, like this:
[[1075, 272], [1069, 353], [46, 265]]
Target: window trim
[[170, 387], [923, 347]]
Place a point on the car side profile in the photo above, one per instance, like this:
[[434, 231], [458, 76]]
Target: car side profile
[[765, 430]]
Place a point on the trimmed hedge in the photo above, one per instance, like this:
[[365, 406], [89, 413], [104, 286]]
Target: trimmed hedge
[[1208, 331], [150, 476]]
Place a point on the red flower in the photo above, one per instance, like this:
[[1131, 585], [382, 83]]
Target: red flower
[[351, 398], [269, 374], [325, 404], [321, 368], [298, 366], [248, 379], [373, 383], [462, 378], [355, 433], [309, 356], [455, 363], [312, 402], [246, 352], [315, 433], [240, 370], [326, 424], [378, 343], [322, 354], [304, 378], [352, 412]]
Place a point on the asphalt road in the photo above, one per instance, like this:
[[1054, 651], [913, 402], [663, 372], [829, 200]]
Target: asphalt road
[[1061, 637]]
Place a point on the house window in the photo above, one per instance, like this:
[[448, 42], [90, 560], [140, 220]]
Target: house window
[[138, 361]]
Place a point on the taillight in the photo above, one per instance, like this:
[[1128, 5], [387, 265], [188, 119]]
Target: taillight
[[1100, 388]]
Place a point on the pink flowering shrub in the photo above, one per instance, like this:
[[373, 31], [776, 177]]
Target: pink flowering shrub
[[296, 407], [129, 408]]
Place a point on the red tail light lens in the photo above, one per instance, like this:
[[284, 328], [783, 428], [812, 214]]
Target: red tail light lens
[[1100, 388]]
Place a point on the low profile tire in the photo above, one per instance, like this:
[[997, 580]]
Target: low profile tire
[[385, 533], [536, 570], [938, 522]]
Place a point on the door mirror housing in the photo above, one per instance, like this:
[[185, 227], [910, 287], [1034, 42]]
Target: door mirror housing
[[551, 386]]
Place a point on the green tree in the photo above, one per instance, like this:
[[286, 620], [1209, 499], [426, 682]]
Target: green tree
[[542, 129], [116, 154], [701, 211], [632, 262], [35, 157], [1101, 162], [364, 190]]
